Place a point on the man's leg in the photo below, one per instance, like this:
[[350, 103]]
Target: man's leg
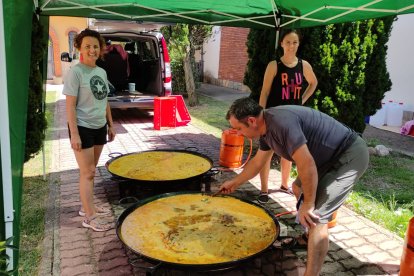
[[318, 244], [333, 189]]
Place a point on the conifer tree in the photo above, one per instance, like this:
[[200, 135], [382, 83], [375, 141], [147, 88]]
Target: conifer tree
[[349, 61], [36, 117]]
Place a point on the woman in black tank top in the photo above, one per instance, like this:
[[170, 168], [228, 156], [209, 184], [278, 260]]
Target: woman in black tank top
[[283, 84]]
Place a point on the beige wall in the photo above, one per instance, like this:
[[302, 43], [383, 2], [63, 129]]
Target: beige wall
[[59, 28], [63, 25]]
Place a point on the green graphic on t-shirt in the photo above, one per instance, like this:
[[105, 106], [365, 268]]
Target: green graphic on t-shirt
[[98, 87]]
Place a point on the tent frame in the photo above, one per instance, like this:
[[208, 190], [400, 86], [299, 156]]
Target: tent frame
[[5, 146], [232, 19]]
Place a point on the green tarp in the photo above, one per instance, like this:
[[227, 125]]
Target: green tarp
[[17, 20], [242, 13]]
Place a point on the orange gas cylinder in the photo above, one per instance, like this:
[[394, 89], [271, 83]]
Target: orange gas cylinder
[[231, 149], [332, 222], [407, 258]]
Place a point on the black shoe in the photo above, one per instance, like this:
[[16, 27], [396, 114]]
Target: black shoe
[[263, 197]]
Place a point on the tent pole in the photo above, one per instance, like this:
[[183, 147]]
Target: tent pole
[[277, 33], [5, 147]]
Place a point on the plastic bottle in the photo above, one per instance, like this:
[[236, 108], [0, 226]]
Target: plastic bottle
[[395, 114], [378, 119]]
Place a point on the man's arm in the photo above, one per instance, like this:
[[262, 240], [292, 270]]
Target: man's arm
[[308, 175], [251, 169]]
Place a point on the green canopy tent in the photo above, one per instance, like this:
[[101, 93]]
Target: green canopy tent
[[241, 13], [15, 32]]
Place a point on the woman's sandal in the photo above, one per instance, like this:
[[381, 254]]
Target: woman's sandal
[[97, 224], [286, 190], [100, 211]]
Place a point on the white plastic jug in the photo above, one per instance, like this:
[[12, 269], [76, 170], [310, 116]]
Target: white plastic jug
[[379, 118], [395, 114]]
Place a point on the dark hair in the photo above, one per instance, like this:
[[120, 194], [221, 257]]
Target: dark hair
[[88, 32], [289, 31], [243, 108]]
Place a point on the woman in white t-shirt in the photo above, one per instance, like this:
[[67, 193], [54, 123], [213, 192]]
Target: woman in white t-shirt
[[89, 121]]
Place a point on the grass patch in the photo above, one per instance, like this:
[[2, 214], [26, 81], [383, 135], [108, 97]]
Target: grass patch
[[34, 201], [385, 193], [210, 115]]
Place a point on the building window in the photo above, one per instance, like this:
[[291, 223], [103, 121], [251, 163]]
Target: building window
[[71, 36]]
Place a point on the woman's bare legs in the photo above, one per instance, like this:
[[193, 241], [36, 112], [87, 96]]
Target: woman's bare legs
[[87, 161], [285, 168], [264, 176]]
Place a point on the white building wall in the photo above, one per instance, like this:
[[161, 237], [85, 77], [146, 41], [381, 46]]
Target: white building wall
[[400, 62], [212, 54]]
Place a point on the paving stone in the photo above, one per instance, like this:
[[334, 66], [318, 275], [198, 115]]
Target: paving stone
[[379, 257], [358, 242], [389, 245], [397, 252], [67, 253], [332, 268], [85, 269], [392, 268], [341, 273], [77, 245], [351, 263], [68, 262], [113, 245], [345, 235], [340, 255], [367, 249], [290, 264], [104, 265], [73, 231], [367, 231], [118, 271], [368, 270]]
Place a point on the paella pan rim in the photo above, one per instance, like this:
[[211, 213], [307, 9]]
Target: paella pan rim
[[217, 265], [205, 157]]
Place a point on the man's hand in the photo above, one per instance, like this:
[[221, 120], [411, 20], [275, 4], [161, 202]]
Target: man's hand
[[228, 187], [306, 216]]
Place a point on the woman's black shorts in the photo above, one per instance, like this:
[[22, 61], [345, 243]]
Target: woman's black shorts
[[91, 137]]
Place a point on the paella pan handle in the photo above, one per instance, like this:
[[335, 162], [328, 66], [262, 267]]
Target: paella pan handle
[[149, 269], [192, 148], [127, 201], [114, 154], [213, 171]]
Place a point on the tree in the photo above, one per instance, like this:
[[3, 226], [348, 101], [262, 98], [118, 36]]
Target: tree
[[353, 57], [349, 62], [36, 119], [183, 40], [261, 50]]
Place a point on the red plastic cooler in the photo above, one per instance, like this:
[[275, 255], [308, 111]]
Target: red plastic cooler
[[182, 116], [165, 109]]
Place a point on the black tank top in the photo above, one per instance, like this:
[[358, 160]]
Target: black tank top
[[287, 86]]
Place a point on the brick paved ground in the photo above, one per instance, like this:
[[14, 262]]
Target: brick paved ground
[[357, 247]]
